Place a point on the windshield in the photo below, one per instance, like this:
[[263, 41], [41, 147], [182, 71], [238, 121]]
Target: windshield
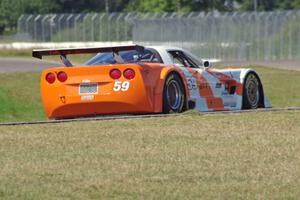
[[149, 55]]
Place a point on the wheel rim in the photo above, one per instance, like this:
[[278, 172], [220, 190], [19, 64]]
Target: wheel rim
[[173, 95], [252, 91]]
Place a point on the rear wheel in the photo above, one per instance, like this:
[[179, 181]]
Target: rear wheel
[[173, 95], [252, 92]]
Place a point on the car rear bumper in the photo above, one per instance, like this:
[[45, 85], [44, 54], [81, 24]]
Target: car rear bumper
[[99, 105], [96, 108], [90, 105]]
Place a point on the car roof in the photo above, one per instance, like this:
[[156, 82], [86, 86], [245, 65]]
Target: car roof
[[166, 48], [163, 52]]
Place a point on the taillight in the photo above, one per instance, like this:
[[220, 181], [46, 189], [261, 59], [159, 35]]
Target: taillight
[[50, 78], [62, 76], [129, 73], [115, 74]]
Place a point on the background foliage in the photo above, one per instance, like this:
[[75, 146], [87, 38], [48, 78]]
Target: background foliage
[[10, 10]]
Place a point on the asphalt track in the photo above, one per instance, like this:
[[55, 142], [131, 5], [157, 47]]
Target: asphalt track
[[11, 65], [281, 64], [120, 117]]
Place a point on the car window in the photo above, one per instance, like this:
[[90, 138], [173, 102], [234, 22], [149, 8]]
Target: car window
[[149, 55], [193, 59], [178, 61], [181, 60]]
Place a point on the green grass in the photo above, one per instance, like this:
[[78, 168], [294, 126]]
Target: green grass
[[193, 156], [20, 93], [20, 97], [281, 86]]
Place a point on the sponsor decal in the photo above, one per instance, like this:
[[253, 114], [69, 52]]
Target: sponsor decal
[[225, 93], [230, 104], [204, 86], [86, 81], [218, 85], [227, 86], [87, 98]]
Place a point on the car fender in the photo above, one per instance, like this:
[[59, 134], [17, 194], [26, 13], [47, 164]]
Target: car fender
[[159, 88], [244, 73]]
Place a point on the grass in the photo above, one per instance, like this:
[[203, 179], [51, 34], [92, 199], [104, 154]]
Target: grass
[[20, 93], [237, 156], [281, 86], [192, 156], [20, 97]]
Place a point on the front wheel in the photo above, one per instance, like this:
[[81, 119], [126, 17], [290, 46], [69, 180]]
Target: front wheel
[[252, 92], [173, 95]]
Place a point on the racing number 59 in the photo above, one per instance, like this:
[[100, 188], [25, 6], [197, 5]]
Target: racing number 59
[[123, 86]]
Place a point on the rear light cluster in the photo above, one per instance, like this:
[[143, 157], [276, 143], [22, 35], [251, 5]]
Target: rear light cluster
[[61, 76], [50, 78], [129, 74], [116, 74]]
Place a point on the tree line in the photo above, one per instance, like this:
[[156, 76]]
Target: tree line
[[11, 10]]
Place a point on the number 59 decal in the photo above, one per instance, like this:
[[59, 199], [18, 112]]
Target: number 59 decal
[[123, 86]]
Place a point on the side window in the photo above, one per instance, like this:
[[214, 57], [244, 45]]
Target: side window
[[180, 60], [193, 59], [176, 59], [150, 56]]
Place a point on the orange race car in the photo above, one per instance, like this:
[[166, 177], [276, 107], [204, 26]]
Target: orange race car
[[136, 79]]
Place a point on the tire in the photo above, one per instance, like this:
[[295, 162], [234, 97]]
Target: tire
[[252, 92], [173, 95]]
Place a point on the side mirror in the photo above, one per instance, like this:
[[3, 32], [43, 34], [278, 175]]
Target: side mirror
[[207, 64]]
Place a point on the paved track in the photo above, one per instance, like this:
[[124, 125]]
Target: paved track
[[287, 64], [31, 64], [118, 117], [9, 65]]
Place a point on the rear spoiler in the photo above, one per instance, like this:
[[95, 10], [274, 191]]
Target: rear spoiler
[[63, 52]]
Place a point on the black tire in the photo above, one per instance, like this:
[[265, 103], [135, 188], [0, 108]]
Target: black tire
[[252, 92], [173, 95]]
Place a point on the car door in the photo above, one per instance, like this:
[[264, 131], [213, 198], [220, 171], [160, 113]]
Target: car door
[[204, 87]]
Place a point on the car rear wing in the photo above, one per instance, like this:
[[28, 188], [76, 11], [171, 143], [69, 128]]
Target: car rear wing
[[63, 52]]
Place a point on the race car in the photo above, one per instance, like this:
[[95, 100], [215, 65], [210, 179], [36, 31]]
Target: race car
[[134, 79]]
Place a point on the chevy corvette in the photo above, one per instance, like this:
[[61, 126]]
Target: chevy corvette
[[134, 79]]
